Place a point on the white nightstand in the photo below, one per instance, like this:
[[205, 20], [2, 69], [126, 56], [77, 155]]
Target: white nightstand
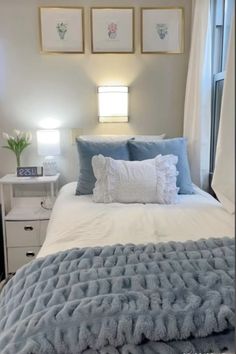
[[24, 221]]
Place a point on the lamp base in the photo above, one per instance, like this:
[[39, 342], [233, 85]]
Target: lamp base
[[49, 166]]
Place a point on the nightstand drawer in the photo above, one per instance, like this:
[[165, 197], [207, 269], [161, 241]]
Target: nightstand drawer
[[22, 233], [18, 256]]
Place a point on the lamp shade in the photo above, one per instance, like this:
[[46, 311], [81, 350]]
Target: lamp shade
[[48, 142], [113, 103]]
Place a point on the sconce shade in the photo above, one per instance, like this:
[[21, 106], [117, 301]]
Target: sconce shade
[[113, 104], [48, 142]]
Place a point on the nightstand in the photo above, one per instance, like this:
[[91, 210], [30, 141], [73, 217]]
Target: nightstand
[[24, 219]]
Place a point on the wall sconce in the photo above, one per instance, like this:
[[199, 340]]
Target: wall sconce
[[113, 104], [49, 146]]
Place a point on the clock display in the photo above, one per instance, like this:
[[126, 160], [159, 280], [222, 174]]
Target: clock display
[[29, 171]]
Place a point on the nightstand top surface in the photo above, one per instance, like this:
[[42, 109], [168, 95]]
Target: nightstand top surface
[[13, 179]]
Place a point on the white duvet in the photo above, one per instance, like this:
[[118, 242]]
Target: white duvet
[[77, 221]]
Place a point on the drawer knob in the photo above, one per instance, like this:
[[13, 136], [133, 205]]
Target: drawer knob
[[30, 254], [28, 228]]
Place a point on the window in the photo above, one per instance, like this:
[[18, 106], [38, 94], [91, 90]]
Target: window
[[222, 15]]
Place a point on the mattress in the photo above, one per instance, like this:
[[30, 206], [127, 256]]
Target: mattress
[[77, 221]]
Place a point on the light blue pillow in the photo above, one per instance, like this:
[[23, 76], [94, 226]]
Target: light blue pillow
[[177, 146], [118, 150]]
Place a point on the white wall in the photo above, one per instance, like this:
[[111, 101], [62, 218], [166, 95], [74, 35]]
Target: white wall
[[36, 86]]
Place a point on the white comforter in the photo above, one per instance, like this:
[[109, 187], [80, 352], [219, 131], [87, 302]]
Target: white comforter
[[77, 221]]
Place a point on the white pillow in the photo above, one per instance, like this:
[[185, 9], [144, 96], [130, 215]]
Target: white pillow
[[147, 181], [122, 137], [106, 137], [149, 138]]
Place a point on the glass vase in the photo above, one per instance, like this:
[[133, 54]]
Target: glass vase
[[17, 160]]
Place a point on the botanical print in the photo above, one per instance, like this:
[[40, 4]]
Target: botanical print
[[112, 29], [162, 30], [61, 30]]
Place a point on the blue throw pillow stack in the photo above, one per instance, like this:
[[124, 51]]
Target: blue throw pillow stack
[[135, 151]]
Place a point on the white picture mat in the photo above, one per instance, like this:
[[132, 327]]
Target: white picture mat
[[123, 18], [173, 40], [73, 40]]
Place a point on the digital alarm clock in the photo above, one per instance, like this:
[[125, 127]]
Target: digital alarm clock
[[31, 171]]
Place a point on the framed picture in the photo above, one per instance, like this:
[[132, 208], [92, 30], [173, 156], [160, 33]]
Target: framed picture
[[162, 30], [61, 29], [112, 30]]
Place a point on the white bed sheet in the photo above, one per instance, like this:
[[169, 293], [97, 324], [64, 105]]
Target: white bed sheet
[[77, 221]]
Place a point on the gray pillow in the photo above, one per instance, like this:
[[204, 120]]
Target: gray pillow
[[148, 150], [118, 150]]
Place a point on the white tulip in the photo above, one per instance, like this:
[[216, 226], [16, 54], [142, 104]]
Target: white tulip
[[28, 137], [5, 136], [17, 132]]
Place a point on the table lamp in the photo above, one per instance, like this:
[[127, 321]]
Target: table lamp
[[49, 146]]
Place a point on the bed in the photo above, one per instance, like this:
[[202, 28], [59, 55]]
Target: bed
[[136, 260], [104, 280]]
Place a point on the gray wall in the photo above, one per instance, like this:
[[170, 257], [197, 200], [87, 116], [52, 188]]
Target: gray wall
[[36, 86]]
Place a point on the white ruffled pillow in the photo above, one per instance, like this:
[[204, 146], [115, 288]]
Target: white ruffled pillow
[[147, 181]]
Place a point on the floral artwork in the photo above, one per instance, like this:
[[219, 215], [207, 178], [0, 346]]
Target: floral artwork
[[112, 30], [162, 30], [61, 30]]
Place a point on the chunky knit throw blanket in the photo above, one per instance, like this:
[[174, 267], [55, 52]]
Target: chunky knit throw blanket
[[165, 298]]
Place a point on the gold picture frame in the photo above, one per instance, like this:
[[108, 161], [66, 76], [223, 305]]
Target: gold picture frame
[[116, 35], [61, 29], [162, 30]]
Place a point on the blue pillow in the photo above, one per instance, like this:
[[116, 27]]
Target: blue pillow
[[118, 150], [177, 146]]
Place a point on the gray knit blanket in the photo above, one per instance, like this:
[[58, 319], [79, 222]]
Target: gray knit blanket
[[166, 298]]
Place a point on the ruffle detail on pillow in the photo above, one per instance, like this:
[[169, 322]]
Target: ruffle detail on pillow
[[100, 170], [166, 176]]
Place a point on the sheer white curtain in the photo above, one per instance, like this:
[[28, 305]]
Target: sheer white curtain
[[224, 174], [197, 110]]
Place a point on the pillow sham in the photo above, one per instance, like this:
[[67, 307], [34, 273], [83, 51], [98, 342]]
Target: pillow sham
[[176, 146], [148, 181], [86, 150], [106, 138], [149, 137], [111, 138]]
